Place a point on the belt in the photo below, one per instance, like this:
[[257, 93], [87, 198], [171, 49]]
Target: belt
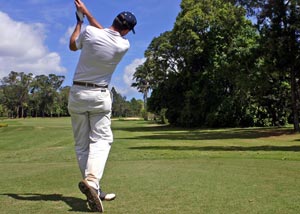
[[88, 84]]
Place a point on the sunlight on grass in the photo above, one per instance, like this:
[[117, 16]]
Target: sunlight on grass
[[153, 169]]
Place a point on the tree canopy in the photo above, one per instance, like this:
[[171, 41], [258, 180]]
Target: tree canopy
[[23, 95], [226, 63]]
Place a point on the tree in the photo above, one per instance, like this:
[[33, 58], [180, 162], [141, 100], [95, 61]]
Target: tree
[[2, 110], [15, 90], [210, 53], [123, 108], [44, 93], [279, 24], [62, 100], [119, 104], [141, 76], [136, 107], [159, 64], [22, 94]]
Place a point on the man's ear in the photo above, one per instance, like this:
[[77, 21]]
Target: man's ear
[[124, 32]]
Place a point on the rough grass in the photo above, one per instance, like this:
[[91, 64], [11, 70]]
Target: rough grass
[[153, 169]]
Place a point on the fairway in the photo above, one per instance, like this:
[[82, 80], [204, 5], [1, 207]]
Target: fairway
[[153, 169]]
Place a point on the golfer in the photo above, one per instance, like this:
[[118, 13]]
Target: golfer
[[90, 100]]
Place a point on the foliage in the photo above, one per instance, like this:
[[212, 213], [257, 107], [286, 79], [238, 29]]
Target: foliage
[[15, 93], [123, 108], [212, 46], [44, 92], [217, 68], [23, 95], [279, 25]]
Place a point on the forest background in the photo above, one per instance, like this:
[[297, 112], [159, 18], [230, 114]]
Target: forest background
[[225, 63]]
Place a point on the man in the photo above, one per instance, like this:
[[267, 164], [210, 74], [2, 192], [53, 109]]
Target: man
[[90, 100]]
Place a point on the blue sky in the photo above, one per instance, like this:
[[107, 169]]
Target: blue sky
[[34, 35]]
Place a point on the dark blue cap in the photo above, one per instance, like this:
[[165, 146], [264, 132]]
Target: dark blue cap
[[127, 19]]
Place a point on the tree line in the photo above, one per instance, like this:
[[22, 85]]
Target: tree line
[[226, 63], [25, 95]]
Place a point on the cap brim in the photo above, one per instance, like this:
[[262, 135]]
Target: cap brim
[[133, 31]]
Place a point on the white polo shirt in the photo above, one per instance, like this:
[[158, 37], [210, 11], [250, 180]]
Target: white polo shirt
[[101, 51]]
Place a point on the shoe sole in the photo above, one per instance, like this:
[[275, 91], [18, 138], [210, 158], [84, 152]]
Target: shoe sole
[[107, 197], [92, 196]]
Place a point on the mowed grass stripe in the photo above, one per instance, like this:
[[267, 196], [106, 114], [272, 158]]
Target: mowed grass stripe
[[174, 171]]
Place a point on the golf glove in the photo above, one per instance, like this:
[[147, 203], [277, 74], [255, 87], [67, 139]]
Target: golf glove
[[79, 16]]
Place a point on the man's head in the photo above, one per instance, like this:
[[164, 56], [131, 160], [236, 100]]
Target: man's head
[[125, 22]]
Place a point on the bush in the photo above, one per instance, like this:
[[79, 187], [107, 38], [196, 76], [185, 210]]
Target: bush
[[3, 125], [163, 117]]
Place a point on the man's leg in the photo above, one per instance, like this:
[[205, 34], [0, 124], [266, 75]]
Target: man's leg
[[101, 139], [81, 130]]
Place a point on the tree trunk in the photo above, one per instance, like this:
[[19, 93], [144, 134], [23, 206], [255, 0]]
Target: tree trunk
[[294, 102], [293, 53], [22, 113]]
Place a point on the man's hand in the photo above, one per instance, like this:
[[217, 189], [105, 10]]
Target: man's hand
[[82, 8]]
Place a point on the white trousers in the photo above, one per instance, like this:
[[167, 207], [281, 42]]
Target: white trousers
[[90, 110]]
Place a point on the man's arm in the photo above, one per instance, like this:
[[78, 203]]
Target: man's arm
[[75, 34], [82, 8]]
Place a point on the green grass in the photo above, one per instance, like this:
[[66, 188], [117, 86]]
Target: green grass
[[153, 169]]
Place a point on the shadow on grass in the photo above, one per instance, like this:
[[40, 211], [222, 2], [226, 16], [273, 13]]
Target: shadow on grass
[[76, 204], [214, 134], [221, 148]]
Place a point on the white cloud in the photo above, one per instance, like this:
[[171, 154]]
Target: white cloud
[[22, 49], [65, 39], [129, 70]]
